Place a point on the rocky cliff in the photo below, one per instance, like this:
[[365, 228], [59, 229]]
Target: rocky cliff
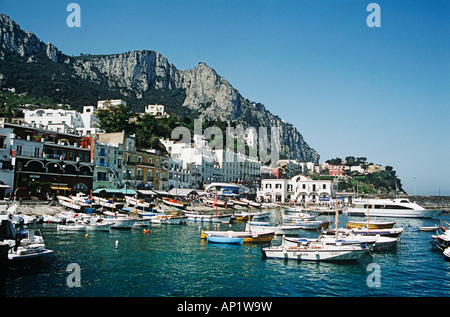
[[135, 73]]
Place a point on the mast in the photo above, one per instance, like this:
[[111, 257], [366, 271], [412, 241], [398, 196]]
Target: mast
[[337, 220]]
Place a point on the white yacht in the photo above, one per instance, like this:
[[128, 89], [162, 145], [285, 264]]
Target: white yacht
[[400, 207]]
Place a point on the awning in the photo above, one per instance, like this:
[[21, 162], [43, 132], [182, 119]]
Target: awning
[[59, 187], [182, 192], [147, 192], [129, 191]]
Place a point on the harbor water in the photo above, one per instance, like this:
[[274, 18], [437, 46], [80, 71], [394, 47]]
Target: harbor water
[[172, 261]]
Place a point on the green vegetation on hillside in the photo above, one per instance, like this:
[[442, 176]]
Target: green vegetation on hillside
[[382, 182]]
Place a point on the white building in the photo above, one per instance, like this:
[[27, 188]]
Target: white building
[[237, 167], [155, 110], [297, 189], [64, 121], [178, 176], [105, 104], [198, 160]]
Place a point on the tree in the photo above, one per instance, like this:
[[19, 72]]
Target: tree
[[116, 119]]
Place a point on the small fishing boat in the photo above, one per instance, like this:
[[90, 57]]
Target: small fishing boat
[[224, 239], [430, 229], [281, 229], [247, 236], [446, 253], [316, 251], [168, 219], [394, 232], [71, 227], [441, 241], [120, 223], [239, 202], [251, 203], [138, 203], [109, 203], [174, 203], [200, 217], [372, 224]]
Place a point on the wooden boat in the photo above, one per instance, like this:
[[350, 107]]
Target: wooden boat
[[441, 241], [71, 227], [168, 219], [109, 203], [446, 253], [309, 224], [251, 203], [120, 223], [218, 202], [68, 202], [372, 224], [134, 202], [239, 202], [245, 215], [393, 232], [174, 203], [224, 239], [282, 229], [316, 251], [200, 217], [431, 229], [247, 236]]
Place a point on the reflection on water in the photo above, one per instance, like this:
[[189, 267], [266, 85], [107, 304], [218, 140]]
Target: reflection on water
[[174, 261]]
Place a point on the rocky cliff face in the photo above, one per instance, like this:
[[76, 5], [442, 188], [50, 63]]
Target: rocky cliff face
[[14, 39], [134, 73]]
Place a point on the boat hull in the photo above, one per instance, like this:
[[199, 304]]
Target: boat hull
[[305, 254], [225, 240], [249, 237], [372, 224]]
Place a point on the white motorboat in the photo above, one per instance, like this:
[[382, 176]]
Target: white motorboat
[[446, 252], [316, 251], [441, 241], [281, 229], [200, 217], [138, 203], [251, 203], [71, 227], [393, 232], [168, 219], [400, 207], [24, 245], [120, 223], [109, 203]]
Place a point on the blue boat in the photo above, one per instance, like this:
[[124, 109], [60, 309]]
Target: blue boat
[[228, 240]]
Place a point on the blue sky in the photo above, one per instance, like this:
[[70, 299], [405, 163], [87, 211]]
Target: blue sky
[[382, 93]]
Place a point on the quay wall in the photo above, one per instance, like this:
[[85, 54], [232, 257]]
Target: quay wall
[[432, 202]]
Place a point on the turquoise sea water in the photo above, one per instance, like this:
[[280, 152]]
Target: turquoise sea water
[[172, 261]]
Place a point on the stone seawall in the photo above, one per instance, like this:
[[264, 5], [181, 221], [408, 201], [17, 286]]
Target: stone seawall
[[432, 202]]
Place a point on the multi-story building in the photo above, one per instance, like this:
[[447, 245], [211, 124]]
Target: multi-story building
[[64, 121], [48, 162], [6, 167], [108, 159], [296, 189], [238, 168], [155, 110], [178, 176]]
